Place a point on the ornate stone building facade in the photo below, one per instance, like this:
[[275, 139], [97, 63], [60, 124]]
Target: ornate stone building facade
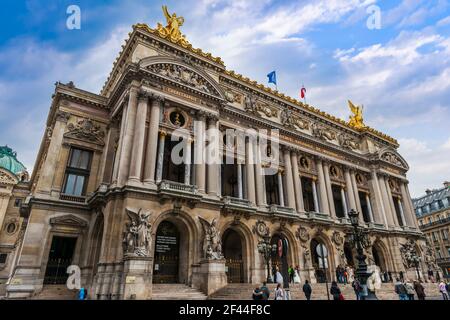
[[107, 196], [13, 191], [433, 215]]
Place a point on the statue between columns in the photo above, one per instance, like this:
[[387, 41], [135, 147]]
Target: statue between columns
[[212, 244], [137, 238]]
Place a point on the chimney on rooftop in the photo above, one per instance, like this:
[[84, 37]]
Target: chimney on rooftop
[[446, 184], [428, 191]]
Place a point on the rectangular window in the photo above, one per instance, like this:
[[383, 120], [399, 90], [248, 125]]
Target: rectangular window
[[77, 172], [3, 257], [17, 202], [445, 234]]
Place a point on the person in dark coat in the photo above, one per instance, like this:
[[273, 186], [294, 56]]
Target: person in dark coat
[[265, 291], [420, 290], [307, 290], [335, 291], [357, 288], [257, 294]]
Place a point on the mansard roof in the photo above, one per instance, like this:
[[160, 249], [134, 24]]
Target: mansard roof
[[437, 199]]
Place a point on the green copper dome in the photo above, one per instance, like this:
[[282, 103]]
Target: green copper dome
[[8, 161]]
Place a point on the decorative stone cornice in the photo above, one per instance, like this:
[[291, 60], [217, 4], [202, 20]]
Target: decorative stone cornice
[[62, 116]]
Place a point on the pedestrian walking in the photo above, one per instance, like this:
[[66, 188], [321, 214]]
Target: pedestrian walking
[[410, 290], [336, 292], [258, 294], [279, 293], [291, 274], [265, 290], [420, 290], [356, 285], [443, 290], [400, 289], [297, 275], [82, 294], [307, 290]]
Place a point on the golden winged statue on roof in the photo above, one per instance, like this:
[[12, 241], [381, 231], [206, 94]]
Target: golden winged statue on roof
[[356, 120], [172, 29]]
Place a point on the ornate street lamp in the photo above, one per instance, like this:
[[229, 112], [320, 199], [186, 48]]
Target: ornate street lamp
[[359, 239], [266, 250]]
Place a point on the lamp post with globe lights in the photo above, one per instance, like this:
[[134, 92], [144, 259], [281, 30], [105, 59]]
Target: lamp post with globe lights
[[266, 250], [360, 240]]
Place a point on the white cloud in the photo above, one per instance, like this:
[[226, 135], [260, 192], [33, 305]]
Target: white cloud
[[429, 165]]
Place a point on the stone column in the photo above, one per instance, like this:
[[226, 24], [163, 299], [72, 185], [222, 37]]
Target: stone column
[[378, 205], [160, 157], [350, 193], [212, 156], [250, 171], [280, 188], [369, 208], [410, 213], [125, 155], [355, 191], [402, 214], [329, 191], [344, 202], [289, 179], [44, 183], [239, 182], [152, 140], [411, 206], [324, 207], [259, 176], [137, 153], [187, 162], [391, 202], [385, 198], [297, 183], [120, 144], [199, 152], [315, 197]]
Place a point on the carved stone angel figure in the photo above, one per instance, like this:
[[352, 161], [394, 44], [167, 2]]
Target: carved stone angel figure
[[137, 237], [172, 29], [356, 120], [212, 243]]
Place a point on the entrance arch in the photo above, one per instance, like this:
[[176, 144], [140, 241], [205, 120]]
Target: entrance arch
[[233, 253], [379, 258], [322, 272], [281, 257], [167, 254]]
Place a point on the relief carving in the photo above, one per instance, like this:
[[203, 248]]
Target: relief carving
[[212, 243], [137, 238], [86, 130], [323, 133], [290, 120], [346, 141]]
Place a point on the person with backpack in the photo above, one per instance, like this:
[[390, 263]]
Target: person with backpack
[[409, 290], [257, 294], [265, 290], [335, 291], [307, 290], [400, 289]]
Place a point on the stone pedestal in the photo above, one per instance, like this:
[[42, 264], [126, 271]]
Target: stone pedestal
[[137, 280], [209, 276]]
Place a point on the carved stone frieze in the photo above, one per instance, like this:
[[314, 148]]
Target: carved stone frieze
[[184, 76], [322, 132], [302, 234], [86, 130], [346, 141], [290, 120]]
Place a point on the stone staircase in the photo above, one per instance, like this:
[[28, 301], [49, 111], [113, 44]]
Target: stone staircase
[[319, 292], [176, 292], [56, 292]]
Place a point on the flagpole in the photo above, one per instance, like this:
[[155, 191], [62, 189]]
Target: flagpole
[[304, 97]]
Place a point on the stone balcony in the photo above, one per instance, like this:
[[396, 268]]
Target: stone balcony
[[232, 203], [177, 189], [277, 209]]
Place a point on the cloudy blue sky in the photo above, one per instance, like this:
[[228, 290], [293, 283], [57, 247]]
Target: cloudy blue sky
[[401, 72]]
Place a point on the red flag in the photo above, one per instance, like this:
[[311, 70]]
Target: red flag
[[302, 92]]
